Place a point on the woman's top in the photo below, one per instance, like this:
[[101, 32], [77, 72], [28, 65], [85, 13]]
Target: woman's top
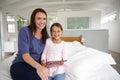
[[28, 44], [55, 52]]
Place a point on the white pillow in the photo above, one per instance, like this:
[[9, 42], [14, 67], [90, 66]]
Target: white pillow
[[74, 47]]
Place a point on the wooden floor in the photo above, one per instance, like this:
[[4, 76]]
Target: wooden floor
[[116, 57]]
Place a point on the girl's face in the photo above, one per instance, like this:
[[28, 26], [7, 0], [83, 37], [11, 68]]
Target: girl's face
[[40, 20], [56, 32]]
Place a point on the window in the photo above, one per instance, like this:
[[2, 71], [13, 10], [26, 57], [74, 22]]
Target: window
[[11, 23], [50, 21], [11, 28], [78, 22], [10, 18], [109, 18]]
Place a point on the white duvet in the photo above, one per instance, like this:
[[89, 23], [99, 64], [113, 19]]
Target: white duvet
[[84, 64]]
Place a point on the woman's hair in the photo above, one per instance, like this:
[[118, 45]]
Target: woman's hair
[[57, 25], [32, 27]]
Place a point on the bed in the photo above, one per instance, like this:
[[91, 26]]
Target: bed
[[84, 63]]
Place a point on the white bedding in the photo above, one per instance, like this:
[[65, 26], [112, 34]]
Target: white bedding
[[84, 64]]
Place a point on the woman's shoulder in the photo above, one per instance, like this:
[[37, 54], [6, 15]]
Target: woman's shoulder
[[24, 29]]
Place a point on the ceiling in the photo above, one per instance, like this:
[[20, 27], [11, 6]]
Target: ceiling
[[25, 7]]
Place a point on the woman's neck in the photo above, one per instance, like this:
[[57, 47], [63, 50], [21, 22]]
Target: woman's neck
[[38, 34]]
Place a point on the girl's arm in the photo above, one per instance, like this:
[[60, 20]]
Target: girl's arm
[[64, 53], [44, 55]]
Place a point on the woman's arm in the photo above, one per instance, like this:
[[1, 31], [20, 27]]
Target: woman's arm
[[24, 41], [41, 71], [28, 59]]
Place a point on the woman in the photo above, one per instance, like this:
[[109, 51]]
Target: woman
[[31, 42]]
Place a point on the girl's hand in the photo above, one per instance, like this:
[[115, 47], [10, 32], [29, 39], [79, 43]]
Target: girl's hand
[[42, 72], [43, 62], [61, 62]]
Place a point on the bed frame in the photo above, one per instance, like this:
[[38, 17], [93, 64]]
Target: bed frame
[[70, 39]]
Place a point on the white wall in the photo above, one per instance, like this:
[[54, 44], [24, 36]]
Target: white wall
[[114, 35], [1, 31], [97, 39], [95, 17]]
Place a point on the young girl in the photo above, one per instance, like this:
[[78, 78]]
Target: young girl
[[54, 54]]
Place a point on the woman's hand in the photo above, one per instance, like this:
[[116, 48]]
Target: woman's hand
[[43, 72]]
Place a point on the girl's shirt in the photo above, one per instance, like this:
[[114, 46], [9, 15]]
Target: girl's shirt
[[54, 52], [28, 44]]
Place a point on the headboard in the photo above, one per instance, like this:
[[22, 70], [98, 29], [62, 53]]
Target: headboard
[[70, 39]]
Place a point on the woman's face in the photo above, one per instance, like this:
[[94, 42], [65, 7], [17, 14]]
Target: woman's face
[[56, 32], [40, 20]]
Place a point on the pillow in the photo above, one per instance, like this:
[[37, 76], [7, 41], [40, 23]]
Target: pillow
[[74, 47]]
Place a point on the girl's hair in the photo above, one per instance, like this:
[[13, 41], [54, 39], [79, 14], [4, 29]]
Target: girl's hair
[[32, 27], [57, 25]]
